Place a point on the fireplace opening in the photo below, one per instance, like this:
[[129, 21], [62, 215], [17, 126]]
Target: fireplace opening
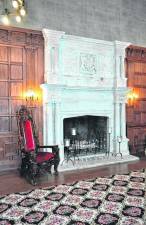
[[85, 135]]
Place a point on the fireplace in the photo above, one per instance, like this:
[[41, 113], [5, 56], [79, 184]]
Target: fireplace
[[87, 134], [85, 84]]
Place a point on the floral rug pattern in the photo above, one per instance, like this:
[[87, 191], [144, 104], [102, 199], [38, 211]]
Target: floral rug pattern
[[114, 200]]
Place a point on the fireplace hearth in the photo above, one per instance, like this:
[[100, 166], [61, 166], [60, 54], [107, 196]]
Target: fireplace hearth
[[85, 93]]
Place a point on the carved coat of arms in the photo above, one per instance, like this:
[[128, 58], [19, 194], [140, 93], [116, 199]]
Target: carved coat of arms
[[88, 63]]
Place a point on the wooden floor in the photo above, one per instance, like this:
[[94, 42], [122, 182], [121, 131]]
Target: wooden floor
[[11, 182]]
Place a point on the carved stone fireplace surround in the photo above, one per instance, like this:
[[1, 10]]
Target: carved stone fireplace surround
[[84, 77]]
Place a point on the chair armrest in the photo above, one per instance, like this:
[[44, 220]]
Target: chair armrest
[[46, 146], [54, 148]]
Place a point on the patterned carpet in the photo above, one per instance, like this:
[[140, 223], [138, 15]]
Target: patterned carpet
[[118, 199]]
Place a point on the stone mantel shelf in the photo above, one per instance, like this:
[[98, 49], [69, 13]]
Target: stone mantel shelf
[[82, 88]]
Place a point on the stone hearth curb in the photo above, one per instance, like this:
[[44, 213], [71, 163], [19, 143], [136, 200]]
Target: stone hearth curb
[[95, 161]]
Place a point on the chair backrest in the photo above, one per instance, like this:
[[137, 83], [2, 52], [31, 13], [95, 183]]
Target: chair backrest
[[27, 137]]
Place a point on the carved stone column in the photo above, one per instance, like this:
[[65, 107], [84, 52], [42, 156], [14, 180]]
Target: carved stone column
[[120, 83], [121, 101], [48, 115]]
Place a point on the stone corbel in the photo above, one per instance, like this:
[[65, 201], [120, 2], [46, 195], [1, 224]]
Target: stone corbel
[[122, 97]]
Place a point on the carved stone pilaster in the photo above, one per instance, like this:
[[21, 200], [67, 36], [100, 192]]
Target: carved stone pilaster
[[120, 88], [52, 39], [120, 53]]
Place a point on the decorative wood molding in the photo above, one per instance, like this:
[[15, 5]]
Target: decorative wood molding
[[3, 35], [136, 53], [21, 37]]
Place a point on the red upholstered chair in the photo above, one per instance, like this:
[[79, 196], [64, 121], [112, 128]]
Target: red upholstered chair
[[34, 158]]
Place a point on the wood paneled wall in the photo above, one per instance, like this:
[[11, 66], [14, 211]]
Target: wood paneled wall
[[136, 108], [21, 68]]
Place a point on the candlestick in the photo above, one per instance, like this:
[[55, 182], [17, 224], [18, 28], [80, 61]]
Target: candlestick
[[67, 142], [110, 130], [119, 138], [73, 131]]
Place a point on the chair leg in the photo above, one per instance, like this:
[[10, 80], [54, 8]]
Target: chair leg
[[32, 172], [24, 167], [22, 171], [48, 169], [56, 164]]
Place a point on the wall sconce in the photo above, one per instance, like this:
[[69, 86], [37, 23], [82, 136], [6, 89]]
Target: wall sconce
[[132, 97], [31, 98], [19, 11], [119, 139]]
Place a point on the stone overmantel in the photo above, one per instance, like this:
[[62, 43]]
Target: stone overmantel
[[83, 77]]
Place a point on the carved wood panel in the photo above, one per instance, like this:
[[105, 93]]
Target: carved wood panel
[[4, 71], [136, 110], [21, 68], [3, 53]]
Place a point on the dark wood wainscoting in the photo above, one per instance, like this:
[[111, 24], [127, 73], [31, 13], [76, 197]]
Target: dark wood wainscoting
[[21, 68], [136, 107]]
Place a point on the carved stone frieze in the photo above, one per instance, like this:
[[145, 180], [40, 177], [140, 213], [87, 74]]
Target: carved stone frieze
[[52, 37]]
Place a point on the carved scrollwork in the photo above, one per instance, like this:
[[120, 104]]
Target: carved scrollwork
[[134, 52], [37, 39], [18, 37], [31, 49], [28, 39], [3, 35]]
